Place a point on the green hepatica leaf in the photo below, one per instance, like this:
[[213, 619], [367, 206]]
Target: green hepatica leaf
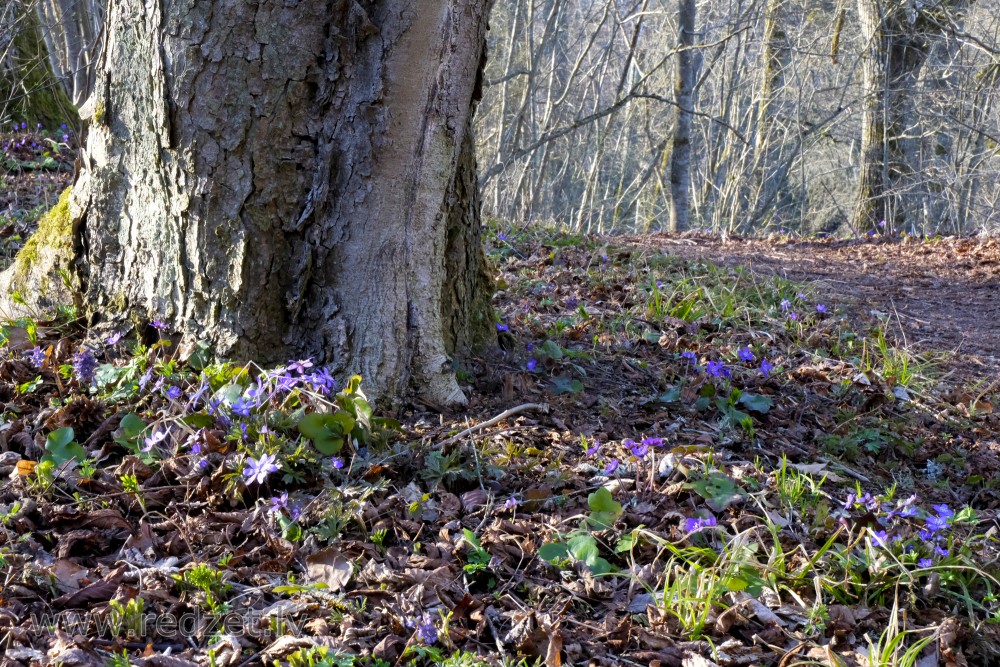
[[671, 395], [604, 510], [756, 402], [129, 430], [553, 551], [718, 490], [566, 385], [61, 447], [327, 431]]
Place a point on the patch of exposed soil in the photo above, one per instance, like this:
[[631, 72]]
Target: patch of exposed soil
[[939, 295]]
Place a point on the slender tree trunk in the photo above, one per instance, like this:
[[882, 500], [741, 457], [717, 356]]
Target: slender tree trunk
[[680, 145], [290, 179]]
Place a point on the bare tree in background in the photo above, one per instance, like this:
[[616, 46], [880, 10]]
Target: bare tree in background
[[680, 141]]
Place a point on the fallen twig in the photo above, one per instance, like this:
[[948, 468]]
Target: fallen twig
[[446, 444]]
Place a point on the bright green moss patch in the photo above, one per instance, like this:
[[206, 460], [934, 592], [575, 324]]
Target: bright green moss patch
[[55, 230]]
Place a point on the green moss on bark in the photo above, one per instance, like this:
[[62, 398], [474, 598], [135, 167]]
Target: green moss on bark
[[55, 231]]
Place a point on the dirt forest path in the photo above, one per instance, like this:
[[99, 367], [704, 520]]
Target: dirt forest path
[[940, 295]]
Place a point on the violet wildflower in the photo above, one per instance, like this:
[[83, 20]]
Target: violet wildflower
[[785, 305], [36, 356], [941, 551], [113, 338], [279, 503], [502, 236], [426, 631], [794, 317], [338, 463], [258, 470], [159, 325], [925, 562], [693, 525], [84, 366], [153, 440], [820, 308], [532, 364], [611, 467], [241, 408], [881, 538], [323, 381], [502, 327], [689, 355], [511, 503], [173, 392], [300, 366], [802, 296], [766, 367], [639, 449], [572, 303], [718, 369], [653, 442], [594, 448], [745, 354]]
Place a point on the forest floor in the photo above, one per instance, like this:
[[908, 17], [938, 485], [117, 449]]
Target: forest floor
[[759, 452]]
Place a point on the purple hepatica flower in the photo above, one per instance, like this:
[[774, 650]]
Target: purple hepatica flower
[[718, 369], [936, 523], [65, 138], [785, 304], [258, 470], [794, 317], [279, 503], [532, 365], [84, 366], [881, 223], [820, 308], [173, 392], [511, 503], [300, 366], [925, 562], [36, 356], [652, 442], [203, 463], [693, 525], [241, 408], [689, 355], [338, 463], [153, 440], [426, 631], [881, 538], [323, 381], [502, 236], [572, 302], [145, 378], [802, 296], [611, 467], [113, 338], [159, 325], [745, 354], [502, 327], [196, 448], [594, 448], [639, 449], [941, 551], [766, 367], [943, 511]]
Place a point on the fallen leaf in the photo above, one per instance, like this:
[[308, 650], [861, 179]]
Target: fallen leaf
[[330, 567]]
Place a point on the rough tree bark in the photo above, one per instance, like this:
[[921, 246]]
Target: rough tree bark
[[291, 178]]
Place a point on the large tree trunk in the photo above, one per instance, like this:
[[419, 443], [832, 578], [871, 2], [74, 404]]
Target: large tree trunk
[[291, 179]]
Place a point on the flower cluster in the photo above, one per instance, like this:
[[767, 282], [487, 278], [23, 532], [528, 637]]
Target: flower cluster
[[84, 366], [695, 524]]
